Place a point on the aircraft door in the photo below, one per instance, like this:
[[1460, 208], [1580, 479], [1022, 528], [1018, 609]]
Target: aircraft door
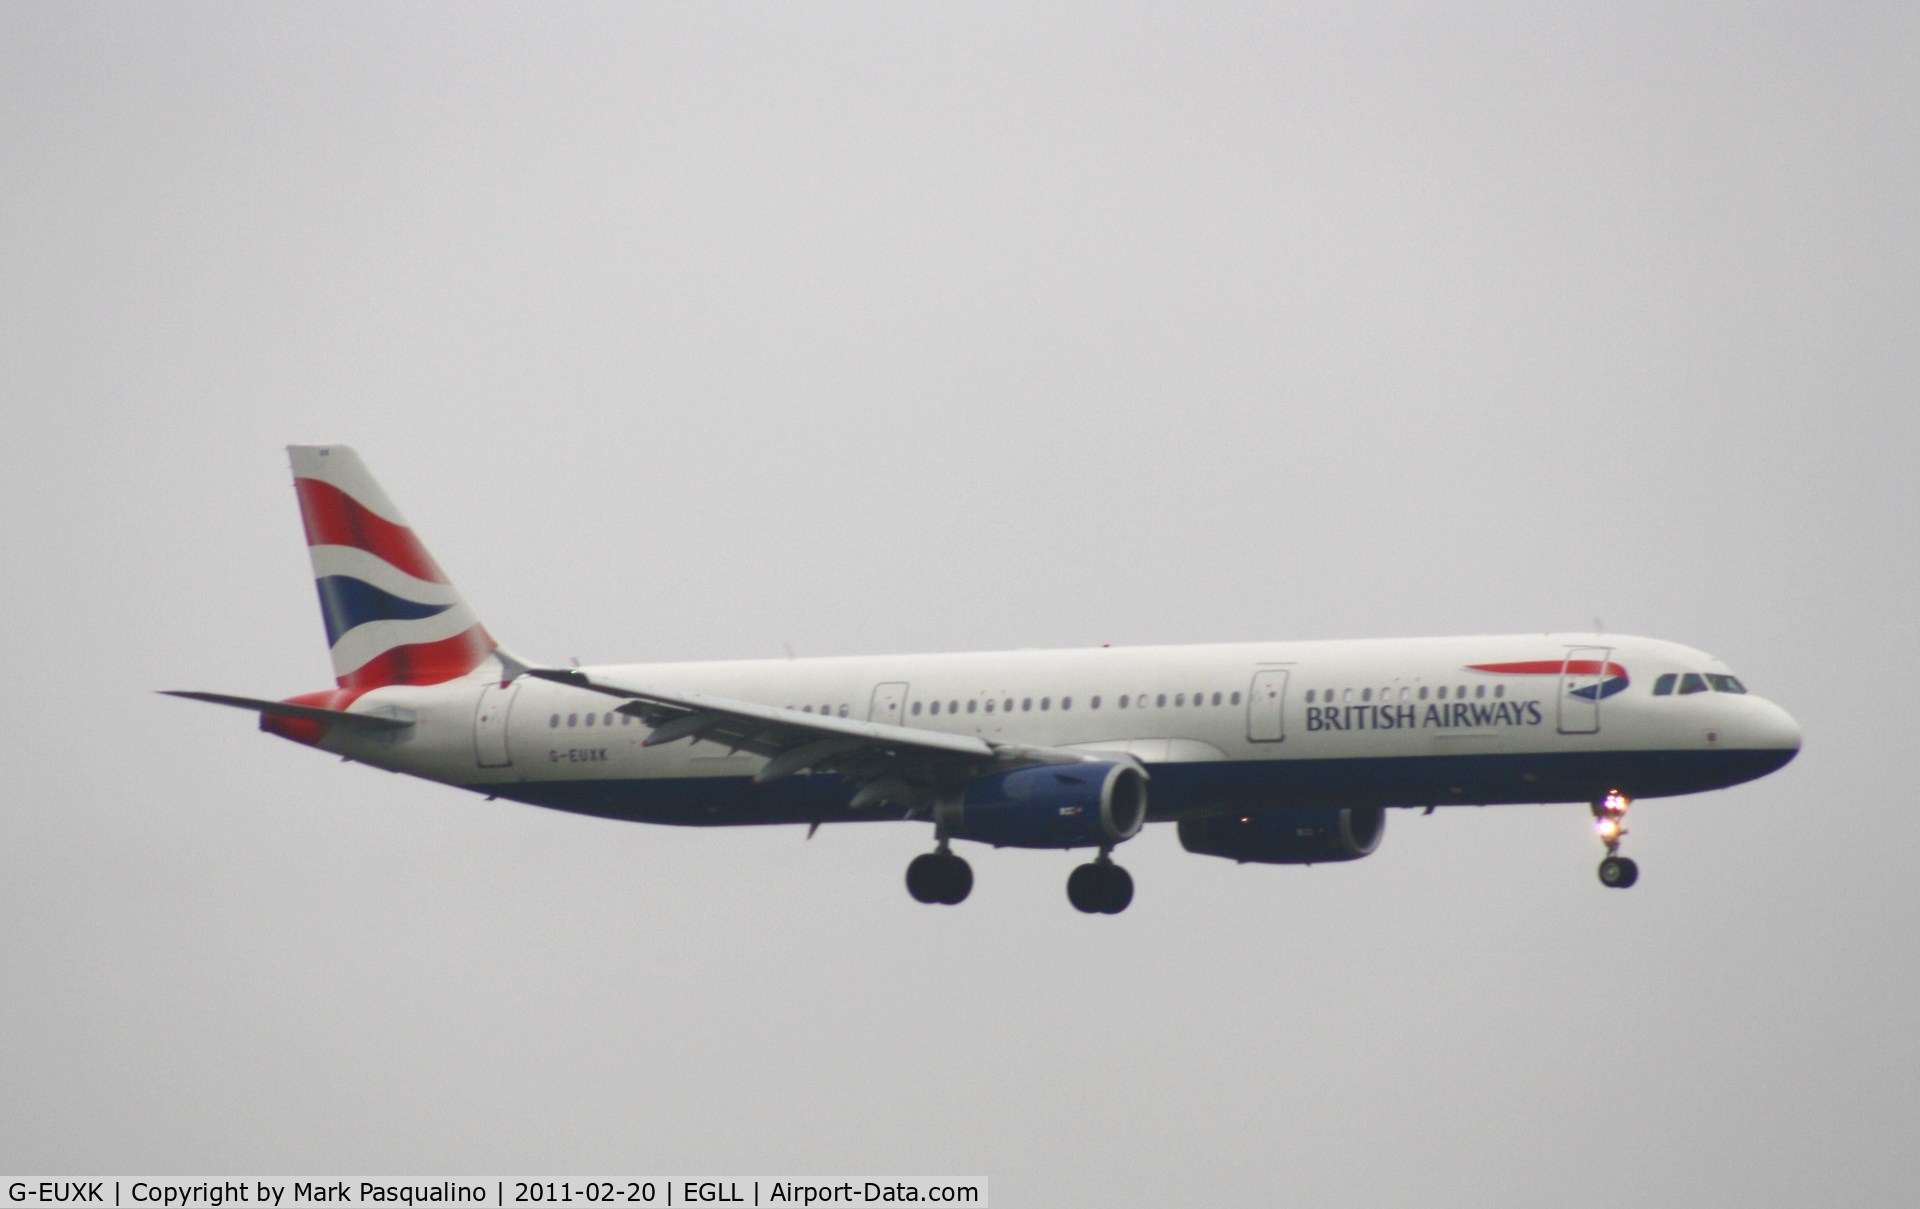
[[1581, 679], [889, 703], [1267, 706], [490, 725]]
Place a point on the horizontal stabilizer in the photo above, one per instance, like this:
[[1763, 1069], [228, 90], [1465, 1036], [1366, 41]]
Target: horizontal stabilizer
[[284, 709]]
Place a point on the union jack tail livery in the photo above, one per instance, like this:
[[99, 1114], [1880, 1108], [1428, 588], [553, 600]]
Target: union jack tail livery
[[392, 616]]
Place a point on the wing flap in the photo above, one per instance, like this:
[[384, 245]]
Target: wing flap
[[756, 726], [884, 763]]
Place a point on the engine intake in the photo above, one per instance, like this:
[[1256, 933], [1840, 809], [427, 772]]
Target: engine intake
[[1288, 837], [1050, 806]]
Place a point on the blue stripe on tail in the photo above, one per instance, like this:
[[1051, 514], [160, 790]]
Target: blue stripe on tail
[[346, 602]]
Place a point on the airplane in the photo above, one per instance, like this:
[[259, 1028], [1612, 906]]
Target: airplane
[[1277, 753]]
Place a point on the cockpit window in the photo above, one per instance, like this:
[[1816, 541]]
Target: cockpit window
[[1692, 682], [1663, 687], [1725, 684]]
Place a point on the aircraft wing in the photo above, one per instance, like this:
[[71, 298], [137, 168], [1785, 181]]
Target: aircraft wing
[[888, 763]]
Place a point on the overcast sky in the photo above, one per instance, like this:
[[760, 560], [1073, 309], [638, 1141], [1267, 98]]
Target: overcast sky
[[693, 332]]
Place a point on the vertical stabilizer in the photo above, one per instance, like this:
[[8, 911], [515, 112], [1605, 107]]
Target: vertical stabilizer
[[391, 615]]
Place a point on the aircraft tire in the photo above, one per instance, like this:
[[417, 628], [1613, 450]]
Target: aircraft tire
[[1083, 888], [1619, 872], [956, 880], [923, 878], [1117, 892]]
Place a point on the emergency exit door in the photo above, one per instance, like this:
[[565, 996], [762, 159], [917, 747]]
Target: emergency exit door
[[1267, 706], [1582, 680], [490, 725]]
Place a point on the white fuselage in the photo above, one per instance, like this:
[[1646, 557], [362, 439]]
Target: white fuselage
[[1400, 722]]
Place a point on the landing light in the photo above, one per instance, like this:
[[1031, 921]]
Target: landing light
[[1608, 827]]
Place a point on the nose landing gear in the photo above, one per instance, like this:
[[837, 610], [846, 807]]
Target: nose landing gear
[[1609, 822], [1100, 887], [939, 877]]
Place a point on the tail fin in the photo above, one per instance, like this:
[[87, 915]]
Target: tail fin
[[392, 617]]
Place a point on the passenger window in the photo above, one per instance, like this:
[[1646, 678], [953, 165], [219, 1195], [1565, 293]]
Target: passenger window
[[989, 704], [589, 719], [1423, 692], [1442, 693], [1066, 703], [1663, 687], [1094, 704], [1236, 698], [953, 707], [609, 718], [1161, 701], [1046, 703], [1216, 698], [1309, 696], [1479, 690], [916, 709], [1179, 698], [1123, 701], [1366, 694], [1007, 705], [556, 722], [573, 720], [1499, 690], [1026, 704], [934, 708], [1346, 694], [972, 706], [1692, 683], [1725, 684]]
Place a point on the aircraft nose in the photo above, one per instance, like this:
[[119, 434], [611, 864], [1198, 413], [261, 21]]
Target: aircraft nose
[[1775, 729]]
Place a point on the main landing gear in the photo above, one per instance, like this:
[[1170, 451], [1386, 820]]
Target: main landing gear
[[1100, 887], [1609, 818], [939, 877]]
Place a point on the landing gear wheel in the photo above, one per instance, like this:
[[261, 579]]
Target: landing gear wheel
[[1100, 888], [959, 880], [939, 877], [1083, 889], [1609, 822], [1618, 872]]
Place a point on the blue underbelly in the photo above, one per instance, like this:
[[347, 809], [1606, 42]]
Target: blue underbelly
[[1179, 790]]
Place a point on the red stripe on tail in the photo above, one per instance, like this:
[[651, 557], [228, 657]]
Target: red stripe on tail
[[423, 662], [334, 518]]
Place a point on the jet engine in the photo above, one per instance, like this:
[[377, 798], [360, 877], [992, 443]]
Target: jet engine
[[1288, 837], [1050, 806]]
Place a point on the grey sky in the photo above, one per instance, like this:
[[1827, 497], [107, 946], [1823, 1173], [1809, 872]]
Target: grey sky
[[686, 332]]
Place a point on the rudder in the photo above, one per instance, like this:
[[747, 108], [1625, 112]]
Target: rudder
[[391, 614]]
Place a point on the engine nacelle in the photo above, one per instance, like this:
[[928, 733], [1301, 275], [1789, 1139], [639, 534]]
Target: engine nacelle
[[1288, 837], [1050, 806]]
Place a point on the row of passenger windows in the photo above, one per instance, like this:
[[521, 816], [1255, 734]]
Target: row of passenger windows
[[1008, 705], [1406, 693], [1695, 682], [1666, 686], [591, 719]]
